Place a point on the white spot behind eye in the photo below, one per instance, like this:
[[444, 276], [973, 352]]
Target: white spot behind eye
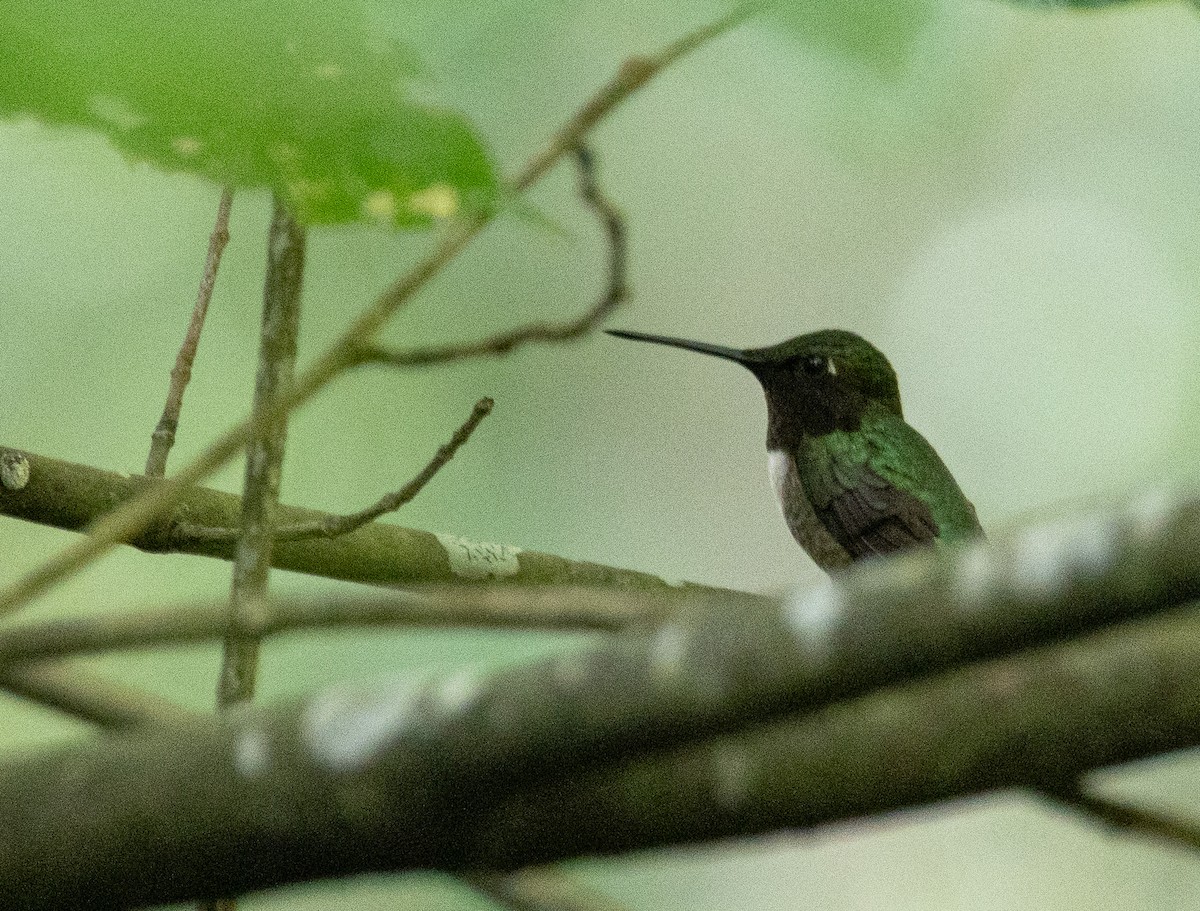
[[831, 367]]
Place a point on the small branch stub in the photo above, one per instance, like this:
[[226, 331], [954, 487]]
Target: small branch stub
[[14, 469]]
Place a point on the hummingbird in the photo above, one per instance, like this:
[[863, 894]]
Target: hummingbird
[[853, 479]]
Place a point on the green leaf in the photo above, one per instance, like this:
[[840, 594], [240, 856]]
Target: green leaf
[[1074, 4], [879, 33], [288, 94]]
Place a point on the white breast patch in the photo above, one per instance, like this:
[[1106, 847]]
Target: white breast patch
[[778, 464]]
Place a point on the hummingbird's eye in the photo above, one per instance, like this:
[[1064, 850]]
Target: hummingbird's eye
[[815, 364]]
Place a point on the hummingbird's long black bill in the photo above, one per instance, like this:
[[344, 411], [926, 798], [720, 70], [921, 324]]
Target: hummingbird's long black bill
[[729, 354]]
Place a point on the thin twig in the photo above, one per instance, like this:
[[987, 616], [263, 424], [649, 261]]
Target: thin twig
[[505, 342], [264, 464], [333, 526], [1126, 817], [126, 521], [538, 607], [163, 437], [264, 455], [61, 686]]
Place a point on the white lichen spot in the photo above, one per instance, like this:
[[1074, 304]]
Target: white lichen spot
[[380, 206], [252, 752], [975, 573], [456, 692], [437, 200], [479, 560], [1153, 511], [668, 649], [14, 469], [814, 615], [118, 112], [186, 146], [330, 71], [1051, 557], [731, 770], [347, 728]]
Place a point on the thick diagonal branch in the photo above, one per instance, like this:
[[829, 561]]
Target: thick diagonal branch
[[713, 725]]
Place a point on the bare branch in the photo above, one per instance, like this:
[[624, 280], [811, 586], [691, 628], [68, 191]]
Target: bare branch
[[720, 722], [264, 456], [451, 606], [163, 437], [451, 774], [505, 342], [89, 697], [71, 496], [264, 467], [132, 517], [335, 526]]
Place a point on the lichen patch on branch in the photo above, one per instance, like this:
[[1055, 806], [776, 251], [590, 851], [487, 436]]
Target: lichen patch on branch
[[814, 616], [1053, 556], [668, 650], [252, 751], [478, 559], [345, 727], [14, 469]]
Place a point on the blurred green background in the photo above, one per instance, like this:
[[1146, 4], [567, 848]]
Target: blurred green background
[[1003, 199]]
